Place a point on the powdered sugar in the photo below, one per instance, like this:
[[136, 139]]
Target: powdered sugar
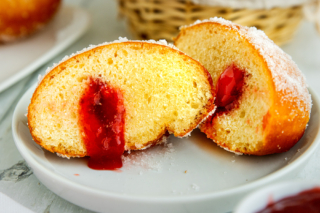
[[40, 77], [286, 75], [150, 159], [188, 134], [237, 153], [195, 187], [162, 140], [66, 156], [63, 156]]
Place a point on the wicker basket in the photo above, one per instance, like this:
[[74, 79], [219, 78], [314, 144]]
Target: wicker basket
[[161, 19]]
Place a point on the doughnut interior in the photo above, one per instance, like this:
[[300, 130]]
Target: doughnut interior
[[163, 90], [271, 113]]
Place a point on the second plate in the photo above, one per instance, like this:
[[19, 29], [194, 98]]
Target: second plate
[[21, 58]]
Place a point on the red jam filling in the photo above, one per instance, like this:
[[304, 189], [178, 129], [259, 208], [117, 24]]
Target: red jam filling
[[305, 202], [102, 115], [229, 86]]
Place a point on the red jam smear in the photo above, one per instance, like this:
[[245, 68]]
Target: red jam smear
[[229, 86], [102, 116], [305, 202]]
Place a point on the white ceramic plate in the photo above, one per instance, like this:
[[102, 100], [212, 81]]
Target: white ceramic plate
[[21, 58], [194, 175]]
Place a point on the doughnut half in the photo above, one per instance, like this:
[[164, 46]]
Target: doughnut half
[[270, 111], [164, 91]]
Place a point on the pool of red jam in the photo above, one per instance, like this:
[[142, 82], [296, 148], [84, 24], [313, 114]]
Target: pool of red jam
[[305, 202], [102, 117], [229, 87]]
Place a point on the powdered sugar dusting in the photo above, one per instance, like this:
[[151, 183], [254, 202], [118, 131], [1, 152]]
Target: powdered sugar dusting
[[68, 157], [40, 77], [149, 159], [63, 156], [195, 187], [225, 148], [162, 140], [285, 73]]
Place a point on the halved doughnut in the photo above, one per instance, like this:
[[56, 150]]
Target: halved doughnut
[[133, 92], [262, 97]]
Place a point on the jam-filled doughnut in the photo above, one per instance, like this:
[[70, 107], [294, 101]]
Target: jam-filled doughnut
[[125, 95], [263, 104]]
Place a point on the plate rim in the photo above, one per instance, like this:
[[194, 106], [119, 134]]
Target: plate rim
[[162, 199], [52, 52]]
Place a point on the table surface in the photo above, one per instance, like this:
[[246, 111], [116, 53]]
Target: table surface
[[105, 26]]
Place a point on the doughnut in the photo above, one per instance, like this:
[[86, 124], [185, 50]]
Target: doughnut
[[20, 18], [124, 95], [263, 104]]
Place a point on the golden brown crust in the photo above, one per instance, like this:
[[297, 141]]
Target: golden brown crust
[[160, 139], [129, 145], [285, 122], [19, 18]]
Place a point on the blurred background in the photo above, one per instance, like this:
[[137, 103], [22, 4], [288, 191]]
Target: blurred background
[[161, 19]]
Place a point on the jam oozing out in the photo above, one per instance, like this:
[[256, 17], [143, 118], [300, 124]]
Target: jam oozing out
[[229, 86], [305, 202], [102, 116]]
